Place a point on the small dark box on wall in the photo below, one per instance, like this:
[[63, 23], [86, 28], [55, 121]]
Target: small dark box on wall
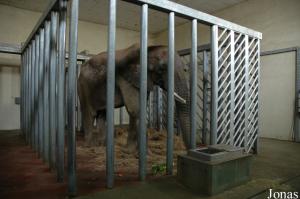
[[214, 169], [17, 100]]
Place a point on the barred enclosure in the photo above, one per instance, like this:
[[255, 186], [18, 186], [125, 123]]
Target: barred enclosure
[[224, 85]]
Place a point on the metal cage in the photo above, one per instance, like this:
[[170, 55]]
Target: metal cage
[[230, 105]]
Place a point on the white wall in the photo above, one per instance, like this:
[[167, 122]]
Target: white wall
[[9, 89], [279, 21], [16, 24]]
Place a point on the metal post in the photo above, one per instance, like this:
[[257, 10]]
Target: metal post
[[36, 94], [297, 94], [41, 93], [143, 93], [256, 144], [27, 95], [171, 53], [110, 96], [246, 90], [159, 108], [193, 84], [52, 84], [205, 96], [61, 91], [29, 121], [46, 93], [73, 42], [121, 116], [25, 66], [214, 83], [32, 126], [232, 87]]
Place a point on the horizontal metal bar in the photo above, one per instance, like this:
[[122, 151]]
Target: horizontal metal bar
[[16, 49], [53, 5], [10, 48], [278, 51], [81, 57], [187, 51], [189, 13]]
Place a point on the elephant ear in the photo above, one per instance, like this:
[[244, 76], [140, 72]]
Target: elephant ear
[[157, 59], [131, 74], [127, 56]]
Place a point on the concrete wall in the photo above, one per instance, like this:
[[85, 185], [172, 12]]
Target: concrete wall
[[16, 24], [279, 21]]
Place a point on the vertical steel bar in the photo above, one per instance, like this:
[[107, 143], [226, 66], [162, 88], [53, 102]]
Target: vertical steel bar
[[205, 97], [32, 126], [73, 43], [46, 93], [171, 56], [143, 93], [246, 91], [52, 87], [214, 84], [256, 143], [29, 95], [61, 90], [193, 84], [25, 94], [36, 94], [232, 87], [297, 94], [110, 102], [21, 91], [41, 93], [23, 61], [160, 108], [121, 116]]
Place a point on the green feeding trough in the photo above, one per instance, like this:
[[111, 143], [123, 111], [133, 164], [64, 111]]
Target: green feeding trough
[[213, 169]]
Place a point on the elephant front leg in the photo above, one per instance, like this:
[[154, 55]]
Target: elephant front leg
[[132, 134], [130, 95]]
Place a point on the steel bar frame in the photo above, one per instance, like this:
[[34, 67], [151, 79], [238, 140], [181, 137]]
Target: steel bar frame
[[52, 88], [46, 93], [61, 90], [193, 82], [171, 57], [110, 95], [189, 13], [71, 97], [43, 59], [143, 93]]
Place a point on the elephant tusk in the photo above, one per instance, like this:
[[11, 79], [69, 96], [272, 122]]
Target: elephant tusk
[[178, 98]]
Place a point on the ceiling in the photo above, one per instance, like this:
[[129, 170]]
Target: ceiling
[[127, 15]]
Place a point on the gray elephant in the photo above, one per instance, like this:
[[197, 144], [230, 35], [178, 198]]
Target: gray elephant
[[92, 91]]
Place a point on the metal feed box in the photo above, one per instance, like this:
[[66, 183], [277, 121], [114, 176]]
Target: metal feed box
[[213, 169]]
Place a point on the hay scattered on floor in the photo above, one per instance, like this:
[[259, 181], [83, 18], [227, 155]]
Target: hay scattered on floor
[[94, 157]]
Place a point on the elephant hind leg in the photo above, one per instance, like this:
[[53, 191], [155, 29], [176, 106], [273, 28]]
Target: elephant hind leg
[[93, 128]]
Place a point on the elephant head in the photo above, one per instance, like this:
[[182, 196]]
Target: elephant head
[[157, 69]]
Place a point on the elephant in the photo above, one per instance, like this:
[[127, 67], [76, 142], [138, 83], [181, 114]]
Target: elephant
[[92, 91]]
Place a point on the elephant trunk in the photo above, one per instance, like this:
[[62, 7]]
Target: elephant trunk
[[183, 109]]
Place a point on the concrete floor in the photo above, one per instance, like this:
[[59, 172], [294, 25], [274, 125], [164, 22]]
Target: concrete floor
[[22, 174], [277, 166]]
